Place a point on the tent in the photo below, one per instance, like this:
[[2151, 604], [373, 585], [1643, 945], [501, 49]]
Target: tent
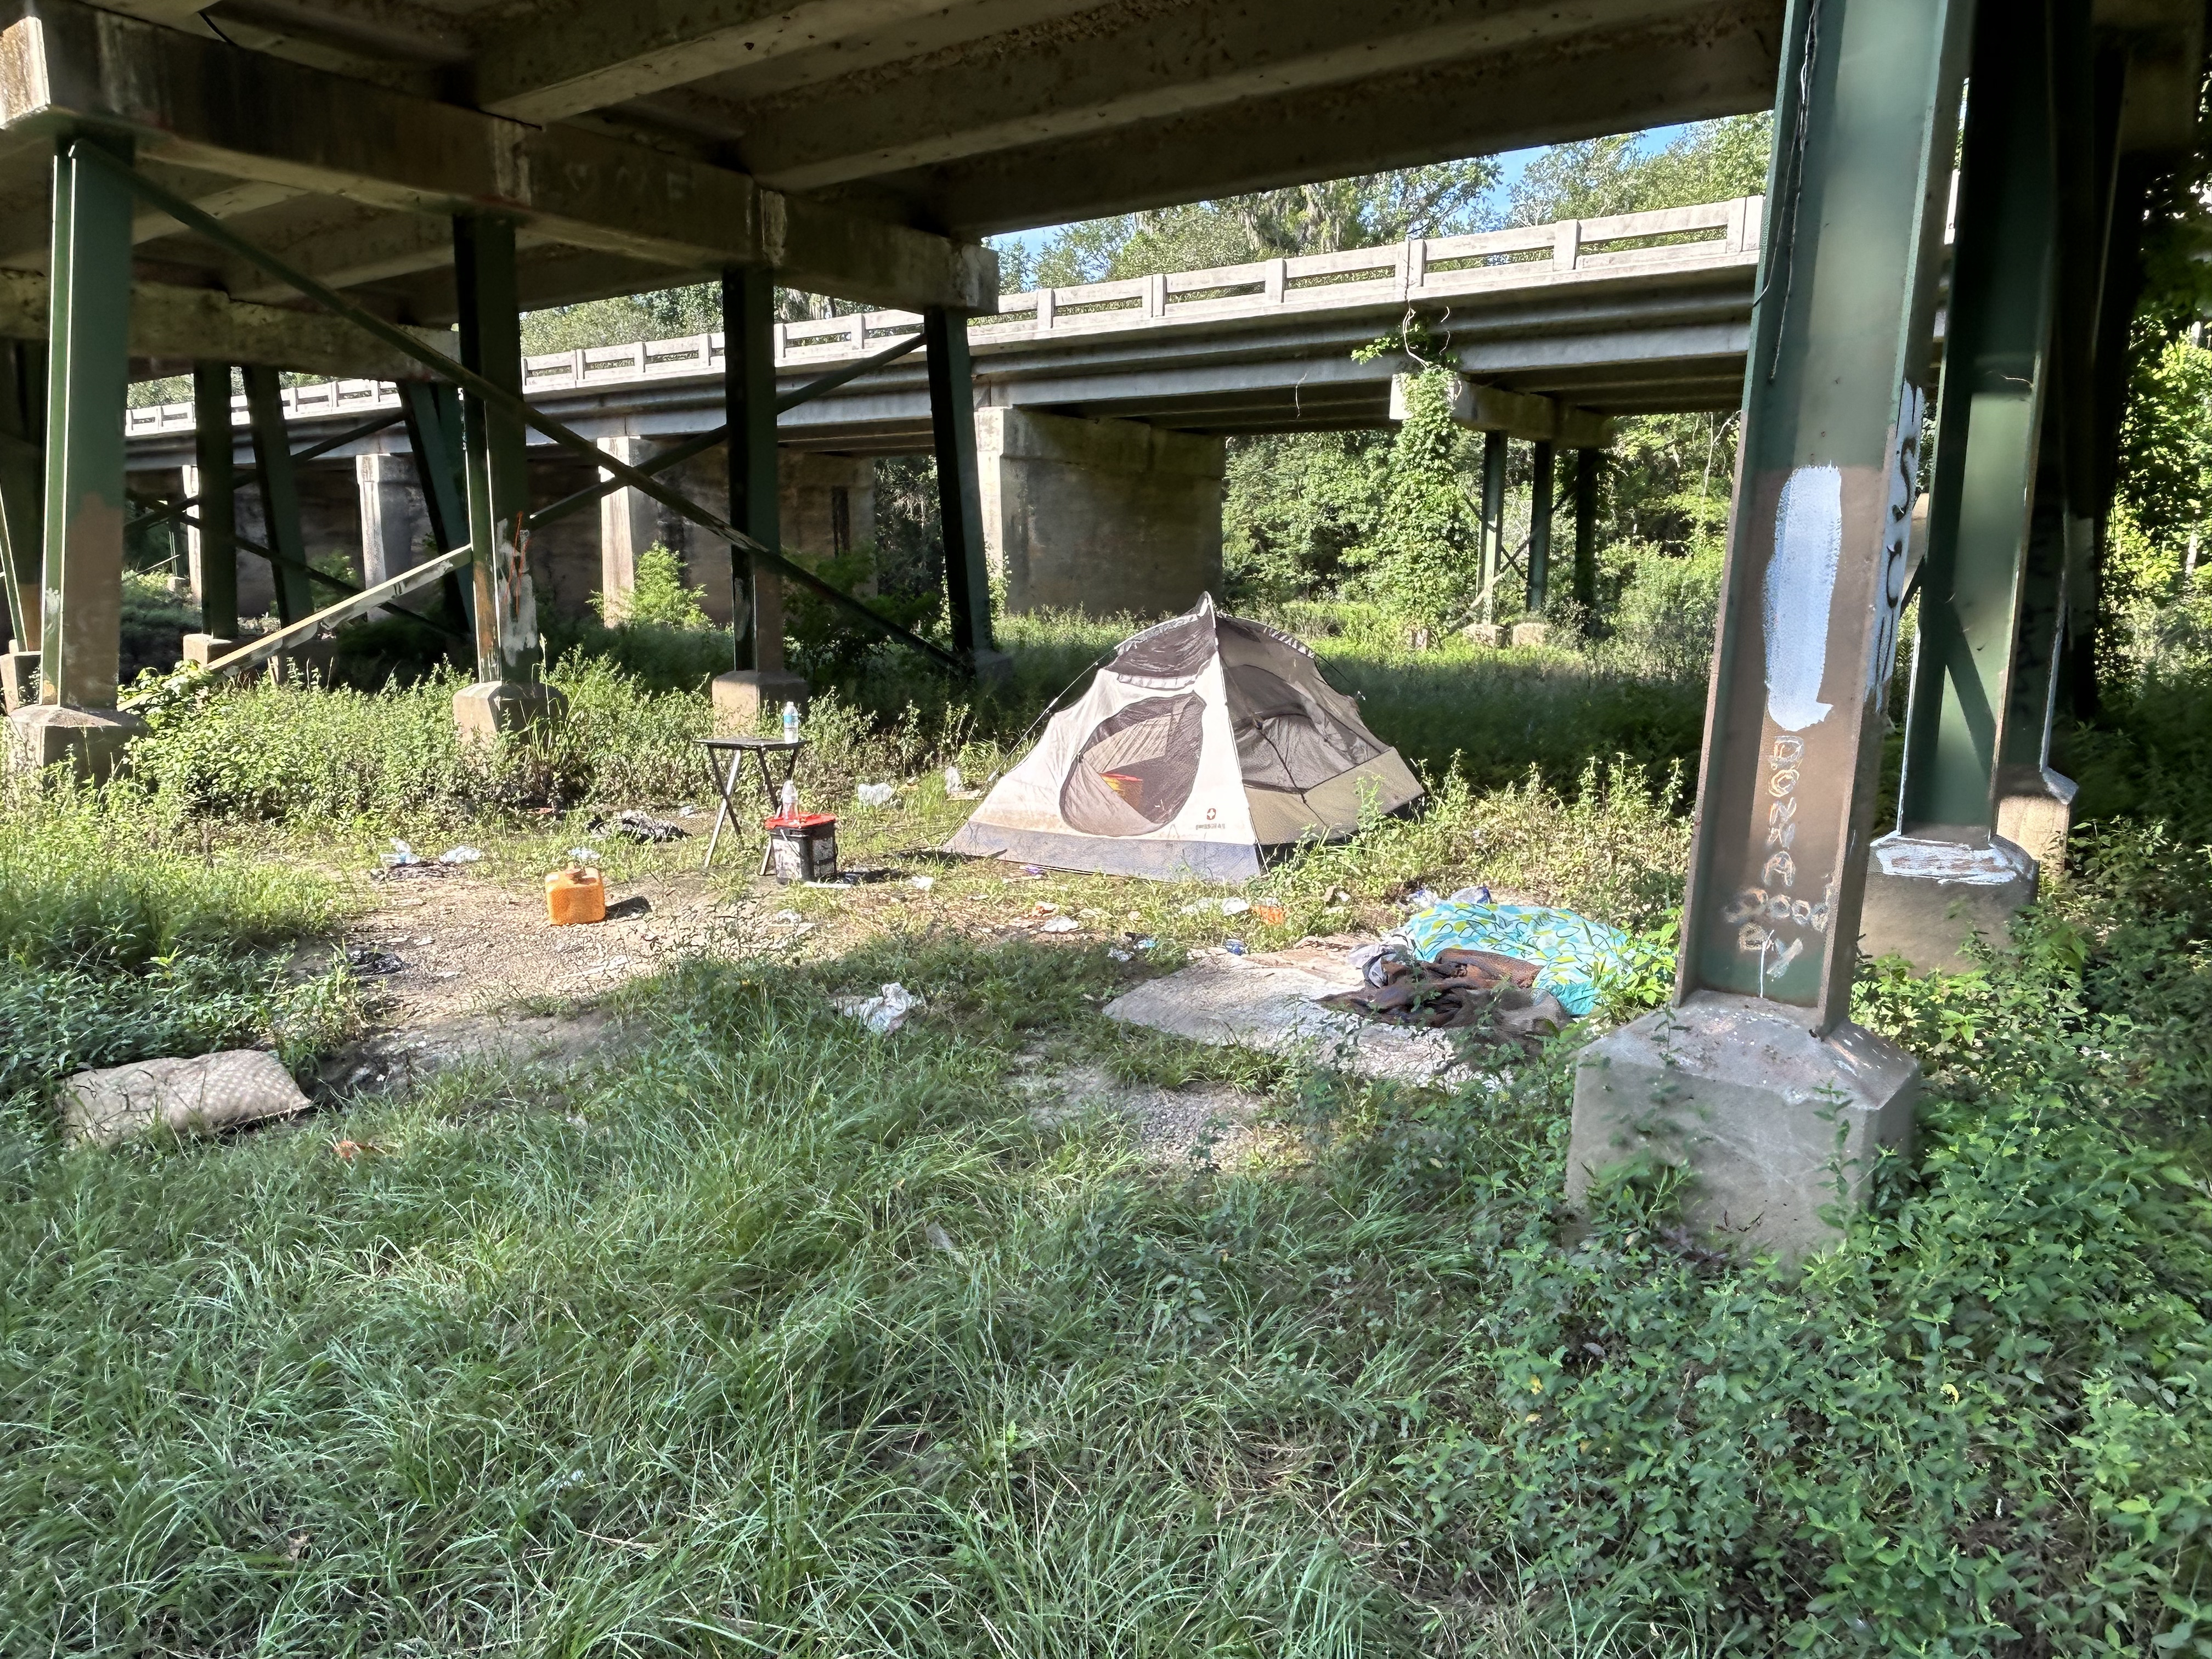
[[1204, 746]]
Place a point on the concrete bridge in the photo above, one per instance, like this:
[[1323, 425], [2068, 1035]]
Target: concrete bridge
[[1101, 410]]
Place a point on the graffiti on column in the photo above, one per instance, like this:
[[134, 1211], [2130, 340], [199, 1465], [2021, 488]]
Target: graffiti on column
[[1896, 542]]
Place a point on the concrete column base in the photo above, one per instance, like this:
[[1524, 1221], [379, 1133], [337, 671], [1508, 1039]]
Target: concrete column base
[[1490, 636], [201, 649], [2035, 812], [1929, 893], [743, 696], [19, 679], [994, 668], [1773, 1124], [89, 740], [1527, 634], [491, 709]]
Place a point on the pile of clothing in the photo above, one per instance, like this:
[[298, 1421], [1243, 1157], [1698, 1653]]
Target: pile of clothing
[[1518, 972]]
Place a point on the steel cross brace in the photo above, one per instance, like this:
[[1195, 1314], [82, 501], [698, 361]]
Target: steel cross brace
[[492, 392], [707, 441]]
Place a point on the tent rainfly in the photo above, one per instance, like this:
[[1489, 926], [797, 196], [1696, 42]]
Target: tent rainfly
[[1204, 745]]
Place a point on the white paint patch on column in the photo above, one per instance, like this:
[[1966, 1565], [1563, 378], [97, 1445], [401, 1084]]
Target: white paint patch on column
[[1801, 586]]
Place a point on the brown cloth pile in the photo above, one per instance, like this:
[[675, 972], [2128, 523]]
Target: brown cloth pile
[[1460, 990]]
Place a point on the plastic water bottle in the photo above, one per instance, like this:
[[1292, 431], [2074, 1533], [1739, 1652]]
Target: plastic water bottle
[[791, 722], [790, 799], [954, 783]]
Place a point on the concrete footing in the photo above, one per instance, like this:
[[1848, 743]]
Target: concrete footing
[[19, 679], [743, 695], [1772, 1124], [2035, 812], [491, 709], [91, 741], [201, 649], [1527, 634], [1490, 636], [1930, 892]]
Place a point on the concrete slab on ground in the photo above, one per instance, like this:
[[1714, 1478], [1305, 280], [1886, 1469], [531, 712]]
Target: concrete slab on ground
[[1270, 1004]]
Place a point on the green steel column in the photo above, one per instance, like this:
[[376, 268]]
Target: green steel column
[[280, 494], [23, 484], [1493, 520], [88, 329], [2031, 685], [1539, 531], [494, 453], [433, 417], [1987, 429], [213, 459], [959, 489], [1840, 342], [748, 406], [1589, 470]]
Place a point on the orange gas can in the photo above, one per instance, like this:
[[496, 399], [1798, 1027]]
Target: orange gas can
[[574, 896]]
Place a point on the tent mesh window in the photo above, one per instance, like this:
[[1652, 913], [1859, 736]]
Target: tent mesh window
[[1171, 653], [1135, 771], [1285, 739]]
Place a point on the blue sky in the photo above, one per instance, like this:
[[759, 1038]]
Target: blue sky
[[1510, 164]]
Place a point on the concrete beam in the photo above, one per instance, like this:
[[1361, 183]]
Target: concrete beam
[[185, 323], [1715, 58], [1516, 414], [586, 55], [1147, 65], [196, 104], [25, 225]]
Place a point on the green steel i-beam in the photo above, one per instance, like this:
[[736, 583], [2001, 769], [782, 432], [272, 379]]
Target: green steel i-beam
[[1539, 529], [748, 406], [88, 332], [494, 453], [216, 508], [1988, 430], [1840, 342], [1493, 520], [1590, 471], [280, 493], [23, 484], [959, 488], [433, 417]]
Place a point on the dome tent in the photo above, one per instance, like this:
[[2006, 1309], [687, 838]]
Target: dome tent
[[1205, 744]]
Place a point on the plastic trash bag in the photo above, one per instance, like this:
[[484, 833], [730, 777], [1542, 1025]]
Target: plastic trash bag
[[882, 1014]]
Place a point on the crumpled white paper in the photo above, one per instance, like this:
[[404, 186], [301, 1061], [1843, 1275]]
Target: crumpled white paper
[[881, 1014]]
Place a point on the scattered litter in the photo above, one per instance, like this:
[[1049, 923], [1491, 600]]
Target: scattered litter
[[1338, 895], [938, 1238], [1570, 952], [1419, 899], [688, 812], [634, 825], [876, 794], [1470, 895], [1032, 871], [1119, 954], [1148, 945], [582, 855], [1272, 914], [1234, 946], [351, 1150], [461, 855], [1042, 908], [955, 786], [1059, 925], [192, 1096], [400, 855], [881, 1014], [786, 915], [1234, 907], [921, 883], [367, 959]]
